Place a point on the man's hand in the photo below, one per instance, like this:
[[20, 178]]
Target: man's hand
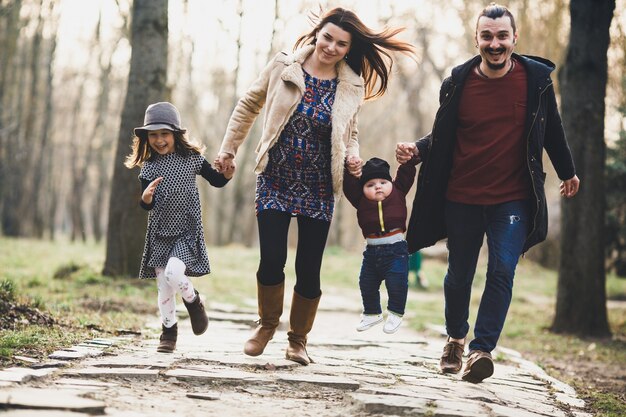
[[569, 188], [405, 151]]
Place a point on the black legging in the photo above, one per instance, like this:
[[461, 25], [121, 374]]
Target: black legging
[[312, 235]]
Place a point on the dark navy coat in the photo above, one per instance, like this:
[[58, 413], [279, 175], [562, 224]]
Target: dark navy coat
[[543, 130]]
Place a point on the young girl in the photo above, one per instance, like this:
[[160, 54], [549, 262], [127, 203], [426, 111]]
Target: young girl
[[174, 248]]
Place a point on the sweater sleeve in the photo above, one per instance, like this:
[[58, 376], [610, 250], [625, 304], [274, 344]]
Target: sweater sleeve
[[247, 109], [405, 176], [144, 184], [352, 188], [212, 176], [555, 142]]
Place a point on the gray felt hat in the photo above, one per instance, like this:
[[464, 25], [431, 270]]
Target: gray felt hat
[[162, 115]]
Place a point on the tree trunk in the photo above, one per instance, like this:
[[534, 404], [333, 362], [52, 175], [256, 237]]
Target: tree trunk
[[10, 25], [42, 161], [146, 84], [31, 129], [581, 298]]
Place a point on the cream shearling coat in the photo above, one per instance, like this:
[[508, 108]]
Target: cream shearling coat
[[279, 88]]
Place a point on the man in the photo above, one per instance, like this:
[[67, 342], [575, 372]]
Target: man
[[482, 174]]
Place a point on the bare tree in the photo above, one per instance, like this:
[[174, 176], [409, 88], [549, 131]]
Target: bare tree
[[581, 297], [146, 84], [10, 26]]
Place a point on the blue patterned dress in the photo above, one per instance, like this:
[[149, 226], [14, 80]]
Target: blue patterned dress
[[297, 179]]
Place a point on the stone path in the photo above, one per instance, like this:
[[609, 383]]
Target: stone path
[[354, 374]]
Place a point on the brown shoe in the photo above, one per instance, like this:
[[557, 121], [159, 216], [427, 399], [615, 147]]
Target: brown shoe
[[478, 367], [302, 316], [197, 315], [270, 301], [168, 338], [452, 358]]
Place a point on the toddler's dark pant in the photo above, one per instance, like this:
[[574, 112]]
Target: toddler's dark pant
[[389, 263], [312, 235]]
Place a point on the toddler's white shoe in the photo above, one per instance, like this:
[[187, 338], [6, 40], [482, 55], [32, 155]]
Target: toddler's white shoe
[[393, 323], [368, 321]]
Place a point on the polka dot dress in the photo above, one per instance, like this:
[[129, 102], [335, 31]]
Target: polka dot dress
[[175, 221]]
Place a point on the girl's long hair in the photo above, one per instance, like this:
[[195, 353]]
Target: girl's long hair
[[142, 152], [369, 54]]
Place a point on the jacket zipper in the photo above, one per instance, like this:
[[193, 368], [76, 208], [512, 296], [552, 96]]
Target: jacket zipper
[[380, 216]]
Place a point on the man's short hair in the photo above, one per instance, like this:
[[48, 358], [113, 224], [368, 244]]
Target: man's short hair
[[494, 11]]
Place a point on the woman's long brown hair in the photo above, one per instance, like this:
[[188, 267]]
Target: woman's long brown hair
[[369, 54]]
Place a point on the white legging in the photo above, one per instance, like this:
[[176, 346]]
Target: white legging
[[172, 280]]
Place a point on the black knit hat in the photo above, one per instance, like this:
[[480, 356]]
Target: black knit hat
[[375, 168]]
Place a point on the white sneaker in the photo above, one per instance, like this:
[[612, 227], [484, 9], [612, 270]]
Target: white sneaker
[[368, 321], [393, 323]]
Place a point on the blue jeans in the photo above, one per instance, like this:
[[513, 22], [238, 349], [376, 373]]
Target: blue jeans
[[389, 263], [506, 226]]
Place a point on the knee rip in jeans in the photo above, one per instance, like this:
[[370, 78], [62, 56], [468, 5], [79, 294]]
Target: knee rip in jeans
[[514, 218]]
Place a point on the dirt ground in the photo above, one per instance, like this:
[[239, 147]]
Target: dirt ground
[[586, 376]]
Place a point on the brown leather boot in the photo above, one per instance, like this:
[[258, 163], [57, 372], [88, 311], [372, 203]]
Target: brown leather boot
[[270, 300], [197, 315], [303, 311], [168, 338]]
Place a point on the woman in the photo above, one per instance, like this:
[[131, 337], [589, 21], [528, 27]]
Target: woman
[[312, 98]]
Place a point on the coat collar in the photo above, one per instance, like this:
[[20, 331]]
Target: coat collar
[[293, 72], [538, 69]]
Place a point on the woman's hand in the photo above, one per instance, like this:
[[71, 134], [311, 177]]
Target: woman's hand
[[228, 169], [354, 165], [225, 163], [148, 193]]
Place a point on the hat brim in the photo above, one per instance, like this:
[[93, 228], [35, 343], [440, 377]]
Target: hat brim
[[156, 126]]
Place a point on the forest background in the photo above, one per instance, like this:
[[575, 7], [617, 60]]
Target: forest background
[[73, 84], [64, 74]]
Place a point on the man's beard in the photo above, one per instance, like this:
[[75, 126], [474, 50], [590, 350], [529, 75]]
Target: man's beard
[[492, 66], [496, 67]]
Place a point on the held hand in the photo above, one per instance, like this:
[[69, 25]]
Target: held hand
[[148, 193], [354, 165], [229, 169], [569, 188], [405, 151], [223, 161]]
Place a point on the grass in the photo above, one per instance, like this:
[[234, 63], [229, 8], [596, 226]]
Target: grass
[[64, 280]]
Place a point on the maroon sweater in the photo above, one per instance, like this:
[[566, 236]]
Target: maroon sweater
[[393, 207], [489, 165]]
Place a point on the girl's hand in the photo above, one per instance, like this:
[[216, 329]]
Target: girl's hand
[[148, 193], [229, 170], [354, 164], [223, 162]]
